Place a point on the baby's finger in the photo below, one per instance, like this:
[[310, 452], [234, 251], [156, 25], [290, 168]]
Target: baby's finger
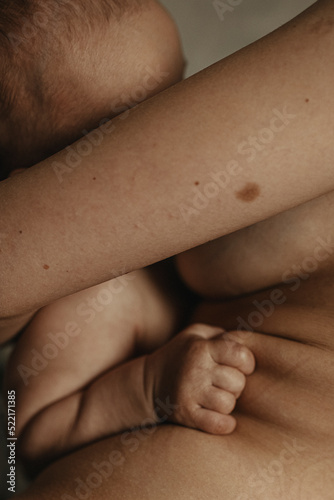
[[213, 422], [230, 353], [229, 379], [218, 400]]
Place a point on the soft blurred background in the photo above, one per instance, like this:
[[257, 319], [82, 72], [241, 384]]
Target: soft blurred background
[[210, 30]]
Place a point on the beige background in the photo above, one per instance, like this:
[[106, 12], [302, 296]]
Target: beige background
[[206, 39]]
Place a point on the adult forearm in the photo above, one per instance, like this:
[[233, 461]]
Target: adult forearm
[[245, 139]]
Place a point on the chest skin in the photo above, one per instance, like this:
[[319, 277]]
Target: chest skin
[[272, 285]]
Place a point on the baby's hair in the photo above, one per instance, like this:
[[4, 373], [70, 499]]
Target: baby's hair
[[33, 33]]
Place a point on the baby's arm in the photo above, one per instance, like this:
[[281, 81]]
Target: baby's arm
[[114, 402], [193, 380], [75, 341]]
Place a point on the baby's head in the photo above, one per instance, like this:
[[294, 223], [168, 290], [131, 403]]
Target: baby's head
[[65, 65]]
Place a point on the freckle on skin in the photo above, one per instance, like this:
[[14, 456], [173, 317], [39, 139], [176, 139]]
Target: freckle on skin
[[307, 100], [20, 232], [196, 183], [249, 193], [94, 178], [46, 267]]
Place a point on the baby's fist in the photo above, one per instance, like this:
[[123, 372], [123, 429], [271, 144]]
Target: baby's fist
[[203, 373]]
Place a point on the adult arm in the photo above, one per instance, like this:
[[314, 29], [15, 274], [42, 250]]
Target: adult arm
[[135, 200]]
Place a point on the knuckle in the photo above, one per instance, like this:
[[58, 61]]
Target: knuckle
[[240, 382], [244, 352], [229, 402], [230, 347], [239, 336], [236, 347], [238, 351], [247, 360]]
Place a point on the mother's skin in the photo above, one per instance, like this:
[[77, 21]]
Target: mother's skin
[[267, 457]]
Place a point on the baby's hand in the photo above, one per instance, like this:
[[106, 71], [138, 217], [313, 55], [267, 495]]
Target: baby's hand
[[202, 373]]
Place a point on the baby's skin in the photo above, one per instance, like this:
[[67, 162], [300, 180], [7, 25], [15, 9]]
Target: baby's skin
[[107, 359]]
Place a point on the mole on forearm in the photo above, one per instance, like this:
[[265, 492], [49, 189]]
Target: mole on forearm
[[249, 193]]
